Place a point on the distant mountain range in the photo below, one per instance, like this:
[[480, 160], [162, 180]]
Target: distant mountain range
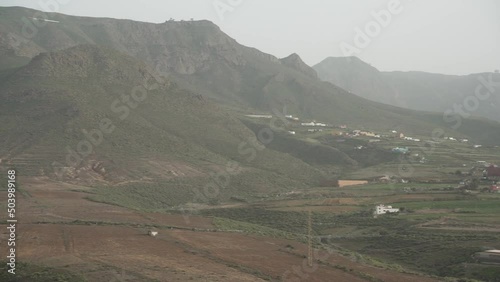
[[416, 90]]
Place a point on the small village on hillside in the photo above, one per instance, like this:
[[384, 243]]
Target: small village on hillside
[[475, 176]]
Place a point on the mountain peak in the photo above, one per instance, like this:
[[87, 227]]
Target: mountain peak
[[293, 56], [351, 61], [294, 61]]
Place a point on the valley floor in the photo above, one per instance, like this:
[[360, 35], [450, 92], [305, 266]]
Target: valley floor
[[63, 232]]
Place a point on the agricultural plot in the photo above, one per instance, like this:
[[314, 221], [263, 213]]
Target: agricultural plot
[[437, 232]]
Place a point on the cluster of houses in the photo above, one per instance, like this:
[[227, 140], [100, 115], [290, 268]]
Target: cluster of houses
[[411, 139], [408, 138], [490, 172], [290, 117], [354, 133], [364, 133], [318, 127], [401, 135], [455, 139], [314, 130], [397, 134], [313, 123]]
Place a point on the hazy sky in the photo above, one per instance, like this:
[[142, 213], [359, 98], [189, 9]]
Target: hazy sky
[[442, 36]]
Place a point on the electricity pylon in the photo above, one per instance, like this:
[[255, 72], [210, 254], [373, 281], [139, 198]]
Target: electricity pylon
[[309, 240]]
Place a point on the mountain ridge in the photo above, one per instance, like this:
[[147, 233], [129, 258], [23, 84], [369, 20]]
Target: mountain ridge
[[415, 90], [170, 135], [211, 81]]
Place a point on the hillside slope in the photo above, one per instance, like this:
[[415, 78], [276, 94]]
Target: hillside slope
[[92, 115]]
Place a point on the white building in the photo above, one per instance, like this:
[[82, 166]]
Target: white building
[[259, 116], [381, 209], [308, 123]]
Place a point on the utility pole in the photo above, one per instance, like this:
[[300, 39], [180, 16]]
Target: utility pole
[[309, 240]]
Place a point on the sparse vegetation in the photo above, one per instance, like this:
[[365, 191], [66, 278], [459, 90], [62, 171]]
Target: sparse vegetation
[[28, 272]]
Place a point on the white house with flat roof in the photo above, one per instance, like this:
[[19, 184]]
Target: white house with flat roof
[[382, 209]]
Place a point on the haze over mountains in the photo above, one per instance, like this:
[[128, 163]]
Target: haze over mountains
[[414, 90], [75, 72]]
